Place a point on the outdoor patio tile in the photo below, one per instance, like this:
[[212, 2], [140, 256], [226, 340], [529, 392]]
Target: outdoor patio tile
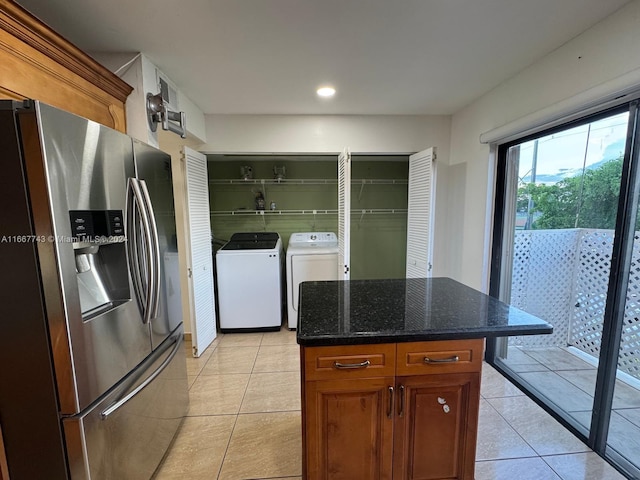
[[631, 414], [624, 436], [625, 396], [537, 427], [516, 356], [556, 358], [560, 391], [528, 367], [518, 361]]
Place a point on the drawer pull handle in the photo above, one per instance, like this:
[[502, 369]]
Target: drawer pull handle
[[453, 359], [390, 410], [364, 364]]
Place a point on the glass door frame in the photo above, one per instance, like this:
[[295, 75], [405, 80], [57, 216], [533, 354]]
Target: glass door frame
[[596, 437]]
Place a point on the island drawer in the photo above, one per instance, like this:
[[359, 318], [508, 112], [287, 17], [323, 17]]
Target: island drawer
[[349, 361], [447, 356]]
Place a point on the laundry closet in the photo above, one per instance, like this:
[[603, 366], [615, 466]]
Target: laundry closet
[[299, 193]]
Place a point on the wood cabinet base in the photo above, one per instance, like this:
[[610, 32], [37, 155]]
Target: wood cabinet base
[[360, 424]]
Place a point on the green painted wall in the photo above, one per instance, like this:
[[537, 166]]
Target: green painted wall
[[378, 241]]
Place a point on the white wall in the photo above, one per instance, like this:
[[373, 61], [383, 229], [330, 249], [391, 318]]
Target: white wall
[[593, 59], [330, 134], [196, 127], [139, 72], [326, 133]]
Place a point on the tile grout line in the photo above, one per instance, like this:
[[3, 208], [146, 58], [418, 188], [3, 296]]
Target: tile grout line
[[235, 422], [551, 467], [252, 373], [226, 449], [515, 430]]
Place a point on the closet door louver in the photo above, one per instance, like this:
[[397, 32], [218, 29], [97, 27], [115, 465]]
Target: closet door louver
[[199, 254], [420, 214], [344, 213]]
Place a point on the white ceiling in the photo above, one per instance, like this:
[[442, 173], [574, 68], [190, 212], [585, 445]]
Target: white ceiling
[[383, 56]]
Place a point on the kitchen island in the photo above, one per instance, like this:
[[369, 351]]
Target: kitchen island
[[391, 375]]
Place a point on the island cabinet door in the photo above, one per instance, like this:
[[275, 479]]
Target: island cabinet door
[[349, 429], [436, 424]]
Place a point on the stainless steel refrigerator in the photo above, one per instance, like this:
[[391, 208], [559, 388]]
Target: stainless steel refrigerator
[[93, 381]]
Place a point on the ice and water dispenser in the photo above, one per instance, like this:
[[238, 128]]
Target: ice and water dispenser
[[101, 261]]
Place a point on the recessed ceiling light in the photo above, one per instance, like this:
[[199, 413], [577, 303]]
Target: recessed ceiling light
[[326, 92]]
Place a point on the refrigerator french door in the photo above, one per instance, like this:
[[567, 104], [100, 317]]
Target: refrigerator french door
[[86, 340], [153, 172]]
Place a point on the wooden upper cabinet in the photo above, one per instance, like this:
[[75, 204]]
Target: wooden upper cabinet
[[37, 63]]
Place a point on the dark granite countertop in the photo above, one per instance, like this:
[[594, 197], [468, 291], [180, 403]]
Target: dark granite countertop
[[405, 310]]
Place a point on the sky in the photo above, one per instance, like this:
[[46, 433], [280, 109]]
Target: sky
[[563, 154]]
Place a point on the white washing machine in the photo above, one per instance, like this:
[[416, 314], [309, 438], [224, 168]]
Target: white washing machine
[[249, 274], [310, 256]]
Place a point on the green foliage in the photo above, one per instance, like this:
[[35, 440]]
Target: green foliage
[[585, 201]]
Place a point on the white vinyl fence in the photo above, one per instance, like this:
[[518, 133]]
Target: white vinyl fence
[[562, 277]]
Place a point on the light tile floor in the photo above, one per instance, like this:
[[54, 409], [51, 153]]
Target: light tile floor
[[244, 421]]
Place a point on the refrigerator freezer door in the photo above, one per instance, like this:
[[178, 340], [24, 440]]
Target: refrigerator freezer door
[[126, 435], [97, 334], [153, 169]]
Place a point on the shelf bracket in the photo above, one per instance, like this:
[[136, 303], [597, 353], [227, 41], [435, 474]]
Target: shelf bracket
[[361, 189], [361, 216]]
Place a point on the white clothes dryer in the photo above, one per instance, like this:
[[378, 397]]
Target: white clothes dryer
[[311, 256]]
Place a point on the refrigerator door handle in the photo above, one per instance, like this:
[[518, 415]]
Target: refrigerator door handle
[[148, 296], [115, 406], [131, 221], [155, 261]]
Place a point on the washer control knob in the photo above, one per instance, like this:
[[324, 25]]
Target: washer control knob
[[313, 237]]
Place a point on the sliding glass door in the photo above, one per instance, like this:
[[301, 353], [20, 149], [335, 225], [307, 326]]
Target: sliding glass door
[[564, 235]]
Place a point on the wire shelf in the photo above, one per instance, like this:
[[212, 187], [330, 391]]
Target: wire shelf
[[248, 213], [306, 181]]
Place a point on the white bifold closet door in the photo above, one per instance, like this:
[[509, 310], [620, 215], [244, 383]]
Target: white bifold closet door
[[344, 214], [420, 214], [197, 274]]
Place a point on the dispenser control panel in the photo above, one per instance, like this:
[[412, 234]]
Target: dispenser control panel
[[91, 225]]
